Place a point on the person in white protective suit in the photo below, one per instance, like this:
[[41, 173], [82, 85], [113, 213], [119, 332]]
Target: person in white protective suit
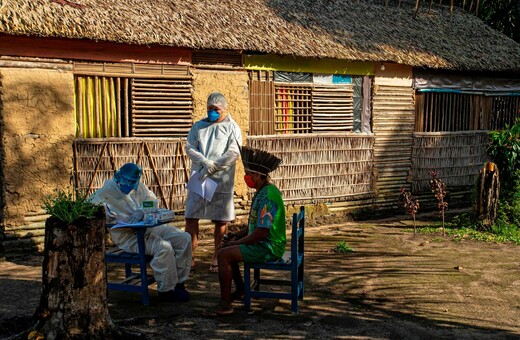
[[213, 147], [170, 247]]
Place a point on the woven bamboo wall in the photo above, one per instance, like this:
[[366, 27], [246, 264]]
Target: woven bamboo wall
[[456, 156], [393, 124], [321, 168], [164, 162]]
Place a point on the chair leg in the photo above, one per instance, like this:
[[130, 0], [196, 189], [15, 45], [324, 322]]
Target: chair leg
[[300, 281], [247, 288], [128, 270], [294, 290], [257, 278], [144, 282]]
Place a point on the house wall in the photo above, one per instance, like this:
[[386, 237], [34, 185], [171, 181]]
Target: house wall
[[234, 85], [393, 122], [37, 112]]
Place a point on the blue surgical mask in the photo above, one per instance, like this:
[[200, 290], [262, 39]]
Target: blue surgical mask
[[213, 115], [125, 188], [127, 184]]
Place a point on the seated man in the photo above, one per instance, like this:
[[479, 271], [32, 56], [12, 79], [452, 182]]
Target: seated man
[[170, 247], [264, 239]]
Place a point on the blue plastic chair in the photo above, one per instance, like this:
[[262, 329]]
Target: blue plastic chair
[[292, 261]]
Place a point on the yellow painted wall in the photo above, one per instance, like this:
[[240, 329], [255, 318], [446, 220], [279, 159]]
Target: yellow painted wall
[[233, 85], [273, 62], [37, 132], [393, 74]]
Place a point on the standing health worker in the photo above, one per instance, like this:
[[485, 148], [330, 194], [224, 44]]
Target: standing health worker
[[213, 145]]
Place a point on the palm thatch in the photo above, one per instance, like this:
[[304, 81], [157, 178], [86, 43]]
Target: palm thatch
[[343, 29]]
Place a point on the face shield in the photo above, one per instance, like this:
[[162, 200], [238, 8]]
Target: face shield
[[127, 177]]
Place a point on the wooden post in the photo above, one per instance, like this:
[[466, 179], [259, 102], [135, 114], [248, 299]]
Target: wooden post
[[489, 188]]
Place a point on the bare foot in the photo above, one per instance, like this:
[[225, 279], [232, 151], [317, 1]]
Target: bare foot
[[219, 310]]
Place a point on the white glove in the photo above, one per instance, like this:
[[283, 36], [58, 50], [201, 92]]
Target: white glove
[[210, 166], [136, 216], [109, 213], [203, 174]]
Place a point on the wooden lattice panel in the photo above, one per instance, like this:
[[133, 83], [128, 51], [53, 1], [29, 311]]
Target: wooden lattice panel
[[456, 156], [321, 168], [293, 109], [164, 162]]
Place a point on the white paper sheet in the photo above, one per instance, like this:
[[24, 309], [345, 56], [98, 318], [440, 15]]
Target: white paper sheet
[[204, 188]]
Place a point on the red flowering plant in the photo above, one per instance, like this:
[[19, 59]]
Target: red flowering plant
[[410, 204], [438, 187]]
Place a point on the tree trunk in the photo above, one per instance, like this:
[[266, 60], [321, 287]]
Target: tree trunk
[[489, 188], [73, 302]]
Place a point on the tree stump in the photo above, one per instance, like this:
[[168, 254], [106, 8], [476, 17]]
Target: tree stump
[[73, 302], [489, 188]]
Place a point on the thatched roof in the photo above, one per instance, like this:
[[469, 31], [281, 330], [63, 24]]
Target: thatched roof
[[345, 29]]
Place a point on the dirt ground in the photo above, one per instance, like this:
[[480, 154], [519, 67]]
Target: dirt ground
[[393, 286]]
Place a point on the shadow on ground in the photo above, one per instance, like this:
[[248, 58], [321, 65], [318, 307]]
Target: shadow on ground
[[394, 285]]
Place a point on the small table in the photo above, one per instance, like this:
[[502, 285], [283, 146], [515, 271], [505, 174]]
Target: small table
[[138, 281]]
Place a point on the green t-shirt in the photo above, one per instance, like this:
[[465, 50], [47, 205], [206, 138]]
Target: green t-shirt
[[268, 211]]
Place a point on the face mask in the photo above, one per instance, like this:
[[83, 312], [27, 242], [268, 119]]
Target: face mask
[[213, 115], [125, 188], [249, 181]]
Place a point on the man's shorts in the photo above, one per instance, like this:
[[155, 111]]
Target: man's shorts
[[257, 253]]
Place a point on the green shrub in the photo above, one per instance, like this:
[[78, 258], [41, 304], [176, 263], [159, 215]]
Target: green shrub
[[504, 149], [68, 207], [342, 248]]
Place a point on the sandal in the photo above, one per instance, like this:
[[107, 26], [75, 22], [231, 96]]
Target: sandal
[[213, 268]]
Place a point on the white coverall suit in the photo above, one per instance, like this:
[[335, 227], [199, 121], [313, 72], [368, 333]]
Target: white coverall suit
[[217, 142], [169, 246]]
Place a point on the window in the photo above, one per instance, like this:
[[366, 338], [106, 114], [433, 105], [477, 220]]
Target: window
[[129, 100], [454, 111], [504, 111], [299, 103], [293, 110], [464, 102]]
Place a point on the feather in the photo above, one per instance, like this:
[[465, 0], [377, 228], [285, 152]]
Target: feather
[[259, 161]]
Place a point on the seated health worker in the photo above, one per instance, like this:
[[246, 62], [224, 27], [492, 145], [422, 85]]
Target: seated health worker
[[170, 247]]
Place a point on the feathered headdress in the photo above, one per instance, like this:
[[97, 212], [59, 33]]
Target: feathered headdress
[[259, 161]]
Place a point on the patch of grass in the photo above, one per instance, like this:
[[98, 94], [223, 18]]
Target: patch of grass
[[506, 234], [342, 248]]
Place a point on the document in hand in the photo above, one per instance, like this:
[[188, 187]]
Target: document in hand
[[204, 187]]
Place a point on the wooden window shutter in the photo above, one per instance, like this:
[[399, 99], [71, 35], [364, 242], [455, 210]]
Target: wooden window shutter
[[133, 100], [161, 107], [261, 109], [332, 108]]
